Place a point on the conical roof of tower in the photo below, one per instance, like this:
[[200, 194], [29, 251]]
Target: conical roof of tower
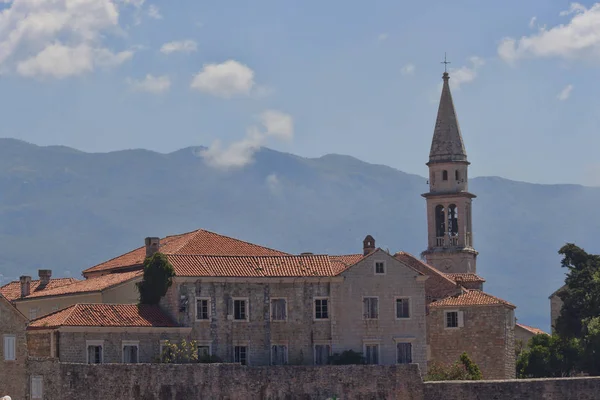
[[447, 144]]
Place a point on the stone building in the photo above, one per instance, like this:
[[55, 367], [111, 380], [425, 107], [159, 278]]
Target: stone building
[[555, 305], [13, 351], [524, 333]]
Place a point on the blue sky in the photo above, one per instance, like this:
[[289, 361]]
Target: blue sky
[[310, 78]]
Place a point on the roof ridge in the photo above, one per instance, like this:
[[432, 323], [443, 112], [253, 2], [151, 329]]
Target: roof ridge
[[241, 240], [429, 267], [285, 255]]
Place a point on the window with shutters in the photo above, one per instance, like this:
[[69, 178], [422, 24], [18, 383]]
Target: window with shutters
[[402, 308], [371, 307], [278, 309], [37, 387], [240, 309], [10, 347], [204, 353], [371, 353], [453, 319], [322, 354], [403, 353], [279, 354], [95, 351], [131, 351], [321, 308], [240, 355], [202, 309]]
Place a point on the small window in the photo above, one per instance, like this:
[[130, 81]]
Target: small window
[[278, 310], [372, 354], [32, 313], [202, 309], [321, 308], [240, 310], [456, 175], [240, 355], [452, 319], [10, 342], [94, 353], [322, 354], [37, 387], [203, 353], [444, 175], [371, 307], [279, 354], [404, 353], [131, 352], [403, 308], [379, 267]]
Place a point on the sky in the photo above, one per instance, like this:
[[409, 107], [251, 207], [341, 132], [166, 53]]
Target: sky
[[309, 78]]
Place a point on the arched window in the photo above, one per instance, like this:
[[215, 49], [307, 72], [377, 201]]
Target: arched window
[[456, 175], [440, 221], [444, 175], [452, 220]]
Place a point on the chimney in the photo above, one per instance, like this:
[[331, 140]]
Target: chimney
[[152, 245], [368, 245], [44, 275], [25, 286]]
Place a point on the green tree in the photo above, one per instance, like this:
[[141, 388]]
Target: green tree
[[464, 369], [549, 356], [184, 352], [158, 277]]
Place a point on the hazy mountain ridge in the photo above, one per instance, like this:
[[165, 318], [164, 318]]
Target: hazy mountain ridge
[[66, 210]]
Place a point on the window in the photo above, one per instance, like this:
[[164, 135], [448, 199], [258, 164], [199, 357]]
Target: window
[[202, 309], [451, 319], [32, 313], [94, 352], [370, 307], [37, 387], [404, 353], [402, 308], [322, 353], [240, 310], [372, 354], [322, 308], [203, 353], [10, 342], [240, 355], [379, 267], [131, 352], [444, 175], [440, 221], [279, 354], [278, 310], [456, 174]]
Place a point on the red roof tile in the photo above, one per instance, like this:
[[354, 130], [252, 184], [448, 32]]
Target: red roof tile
[[471, 298], [105, 315], [89, 285], [12, 290], [465, 277], [535, 331], [199, 242], [438, 285], [341, 263]]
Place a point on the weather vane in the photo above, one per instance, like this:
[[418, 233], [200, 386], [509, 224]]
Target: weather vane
[[445, 62]]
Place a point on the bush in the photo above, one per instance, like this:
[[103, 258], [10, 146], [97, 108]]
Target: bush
[[462, 370], [346, 358], [185, 352], [158, 277]]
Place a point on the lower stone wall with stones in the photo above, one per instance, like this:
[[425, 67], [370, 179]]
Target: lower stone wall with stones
[[63, 381]]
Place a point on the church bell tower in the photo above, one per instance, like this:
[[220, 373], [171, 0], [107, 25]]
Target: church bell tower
[[450, 235]]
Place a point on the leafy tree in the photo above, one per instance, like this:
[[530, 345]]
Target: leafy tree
[[158, 277], [464, 369], [549, 356], [347, 357], [472, 369], [185, 352]]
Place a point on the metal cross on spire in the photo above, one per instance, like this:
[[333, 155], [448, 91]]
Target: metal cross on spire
[[445, 62]]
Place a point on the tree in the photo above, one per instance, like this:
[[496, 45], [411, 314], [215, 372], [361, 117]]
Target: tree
[[158, 277], [185, 352], [464, 369], [549, 356]]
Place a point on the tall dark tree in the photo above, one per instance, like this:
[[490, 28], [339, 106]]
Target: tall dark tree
[[158, 277]]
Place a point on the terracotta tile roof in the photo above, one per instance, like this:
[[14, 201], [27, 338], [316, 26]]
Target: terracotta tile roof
[[465, 277], [89, 285], [105, 315], [199, 242], [12, 290], [438, 285], [471, 298], [535, 331], [341, 263]]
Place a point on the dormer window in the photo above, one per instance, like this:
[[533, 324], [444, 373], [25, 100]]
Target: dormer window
[[444, 175]]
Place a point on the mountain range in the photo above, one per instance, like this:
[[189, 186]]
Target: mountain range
[[66, 210]]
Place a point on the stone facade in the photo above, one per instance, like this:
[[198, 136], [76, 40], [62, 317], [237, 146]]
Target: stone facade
[[555, 306], [13, 351], [486, 334]]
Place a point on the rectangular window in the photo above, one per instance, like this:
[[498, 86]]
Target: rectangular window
[[321, 308], [371, 307], [322, 353], [130, 352], [240, 310], [402, 308], [37, 387], [404, 353], [10, 344], [202, 310], [372, 354], [203, 353], [95, 352], [379, 267], [278, 310], [240, 355], [452, 319], [32, 313], [279, 354]]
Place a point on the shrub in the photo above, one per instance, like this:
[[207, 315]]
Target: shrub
[[347, 357], [158, 277]]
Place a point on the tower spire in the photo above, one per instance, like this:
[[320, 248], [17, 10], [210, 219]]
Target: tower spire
[[447, 144]]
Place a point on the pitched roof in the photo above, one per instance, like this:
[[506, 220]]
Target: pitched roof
[[535, 331], [105, 315], [447, 143], [471, 298], [465, 277], [438, 285], [12, 290], [89, 285], [198, 242], [341, 263]]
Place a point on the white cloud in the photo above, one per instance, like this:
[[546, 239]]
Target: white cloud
[[34, 33], [465, 74], [276, 125], [151, 84], [408, 69], [532, 22], [272, 182], [382, 37], [577, 39], [565, 93], [181, 46], [154, 12], [224, 80]]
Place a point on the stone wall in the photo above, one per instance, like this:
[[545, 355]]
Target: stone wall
[[39, 344], [13, 373], [225, 381]]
